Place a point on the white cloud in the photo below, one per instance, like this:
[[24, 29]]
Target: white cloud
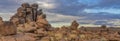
[[109, 10], [6, 16], [115, 22], [46, 5], [61, 18]]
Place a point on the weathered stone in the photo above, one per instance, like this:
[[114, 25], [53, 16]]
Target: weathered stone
[[34, 6], [74, 25], [41, 21], [39, 12], [28, 27], [15, 20], [8, 28], [41, 32], [21, 10], [7, 38], [34, 10], [45, 39], [25, 5], [23, 37]]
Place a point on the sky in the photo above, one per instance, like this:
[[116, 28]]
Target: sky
[[63, 12]]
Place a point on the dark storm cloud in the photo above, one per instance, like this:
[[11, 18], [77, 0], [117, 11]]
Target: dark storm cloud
[[106, 4], [68, 7], [110, 3], [8, 6]]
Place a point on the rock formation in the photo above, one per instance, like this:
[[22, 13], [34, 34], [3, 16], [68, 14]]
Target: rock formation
[[74, 25], [30, 24], [27, 13]]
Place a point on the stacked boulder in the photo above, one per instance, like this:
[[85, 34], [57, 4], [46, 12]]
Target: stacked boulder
[[28, 24], [27, 13], [29, 18]]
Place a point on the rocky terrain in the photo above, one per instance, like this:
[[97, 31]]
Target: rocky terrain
[[30, 24]]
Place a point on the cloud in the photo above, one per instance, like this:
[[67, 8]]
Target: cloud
[[110, 10], [56, 18], [46, 5], [6, 16]]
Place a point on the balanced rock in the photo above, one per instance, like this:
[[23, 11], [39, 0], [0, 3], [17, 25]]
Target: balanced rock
[[41, 21], [74, 25]]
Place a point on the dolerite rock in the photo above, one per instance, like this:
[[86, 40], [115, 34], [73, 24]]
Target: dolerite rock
[[74, 25], [25, 37], [45, 39], [7, 38], [27, 13], [25, 5], [14, 20], [39, 12], [41, 32], [19, 37], [34, 11], [42, 22], [8, 28], [27, 27]]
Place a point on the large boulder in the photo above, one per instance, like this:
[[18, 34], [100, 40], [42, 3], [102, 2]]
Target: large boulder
[[41, 32], [42, 22], [7, 38], [45, 39], [34, 6], [25, 37], [14, 20], [25, 5], [27, 27], [8, 28]]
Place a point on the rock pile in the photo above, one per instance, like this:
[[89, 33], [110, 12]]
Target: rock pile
[[29, 18], [26, 13], [28, 23]]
